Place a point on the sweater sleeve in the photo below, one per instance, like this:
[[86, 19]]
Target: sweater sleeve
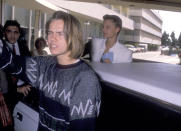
[[21, 67], [85, 102]]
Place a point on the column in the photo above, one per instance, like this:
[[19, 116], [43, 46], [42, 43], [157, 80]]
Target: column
[[30, 31], [13, 12], [44, 23], [2, 5], [37, 29]]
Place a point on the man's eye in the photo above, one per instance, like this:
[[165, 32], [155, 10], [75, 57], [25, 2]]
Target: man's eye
[[16, 32], [60, 33], [49, 32], [8, 31], [107, 27]]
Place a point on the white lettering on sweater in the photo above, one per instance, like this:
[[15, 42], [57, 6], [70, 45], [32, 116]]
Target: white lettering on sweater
[[65, 96], [49, 87], [83, 110], [98, 104], [31, 71]]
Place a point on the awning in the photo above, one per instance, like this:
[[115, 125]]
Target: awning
[[91, 10], [33, 5]]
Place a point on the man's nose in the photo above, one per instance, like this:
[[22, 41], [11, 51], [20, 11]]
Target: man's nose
[[12, 33], [53, 37]]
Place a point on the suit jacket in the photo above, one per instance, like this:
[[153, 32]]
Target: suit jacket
[[24, 51], [121, 54]]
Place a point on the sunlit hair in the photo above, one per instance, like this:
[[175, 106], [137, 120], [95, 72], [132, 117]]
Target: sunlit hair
[[72, 32], [115, 19]]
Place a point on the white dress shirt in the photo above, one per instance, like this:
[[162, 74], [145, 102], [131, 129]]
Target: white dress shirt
[[121, 54], [16, 47]]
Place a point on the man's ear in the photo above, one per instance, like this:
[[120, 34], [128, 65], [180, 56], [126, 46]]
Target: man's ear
[[118, 30], [18, 35]]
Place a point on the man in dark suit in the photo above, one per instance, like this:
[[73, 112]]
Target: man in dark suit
[[12, 32], [18, 46]]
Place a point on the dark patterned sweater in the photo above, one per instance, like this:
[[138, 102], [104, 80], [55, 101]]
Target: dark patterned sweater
[[69, 95]]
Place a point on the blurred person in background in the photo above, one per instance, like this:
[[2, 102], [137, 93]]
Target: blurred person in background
[[40, 45], [109, 49], [179, 55]]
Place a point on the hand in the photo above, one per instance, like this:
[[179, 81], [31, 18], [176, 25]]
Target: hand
[[106, 61], [107, 57], [24, 89], [1, 98]]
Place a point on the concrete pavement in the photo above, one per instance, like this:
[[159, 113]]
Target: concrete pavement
[[156, 56]]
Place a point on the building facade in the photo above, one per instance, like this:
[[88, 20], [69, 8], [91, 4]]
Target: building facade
[[148, 27], [140, 26]]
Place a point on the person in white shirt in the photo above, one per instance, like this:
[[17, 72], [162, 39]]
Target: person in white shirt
[[109, 49]]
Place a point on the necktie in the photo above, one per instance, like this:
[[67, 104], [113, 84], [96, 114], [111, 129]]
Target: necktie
[[14, 49]]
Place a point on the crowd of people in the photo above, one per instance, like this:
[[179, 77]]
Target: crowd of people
[[65, 72], [10, 36], [74, 85], [10, 86]]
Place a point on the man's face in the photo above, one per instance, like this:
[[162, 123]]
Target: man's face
[[109, 29], [56, 39], [12, 34]]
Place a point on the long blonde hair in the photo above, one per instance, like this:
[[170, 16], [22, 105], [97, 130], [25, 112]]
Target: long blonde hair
[[72, 31]]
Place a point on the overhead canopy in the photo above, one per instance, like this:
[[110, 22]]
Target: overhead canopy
[[170, 5], [88, 10], [92, 11], [33, 4]]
